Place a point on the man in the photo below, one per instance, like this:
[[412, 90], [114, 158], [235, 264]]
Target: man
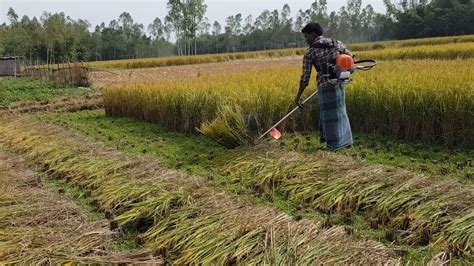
[[334, 123]]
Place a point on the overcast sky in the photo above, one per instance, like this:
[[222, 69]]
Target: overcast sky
[[145, 11]]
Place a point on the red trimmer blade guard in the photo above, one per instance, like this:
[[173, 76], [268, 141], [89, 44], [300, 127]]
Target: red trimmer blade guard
[[275, 133]]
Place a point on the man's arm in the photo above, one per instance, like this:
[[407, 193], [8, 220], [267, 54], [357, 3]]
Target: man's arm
[[342, 47], [305, 77]]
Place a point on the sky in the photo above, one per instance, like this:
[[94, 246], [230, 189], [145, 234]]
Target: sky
[[145, 11]]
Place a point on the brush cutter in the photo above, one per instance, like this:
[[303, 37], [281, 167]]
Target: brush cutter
[[347, 66]]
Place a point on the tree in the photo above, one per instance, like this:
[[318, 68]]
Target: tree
[[354, 13], [263, 20], [234, 24], [156, 29], [248, 28], [216, 28], [233, 29], [205, 27], [186, 17], [303, 18], [216, 31], [286, 19], [12, 16], [368, 26], [318, 12], [57, 37], [195, 10], [175, 21]]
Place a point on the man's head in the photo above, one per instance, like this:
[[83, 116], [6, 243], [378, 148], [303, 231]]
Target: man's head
[[311, 32]]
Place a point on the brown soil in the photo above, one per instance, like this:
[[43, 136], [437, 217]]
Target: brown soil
[[172, 73], [42, 226]]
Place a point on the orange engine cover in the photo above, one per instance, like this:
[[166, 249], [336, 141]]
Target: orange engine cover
[[345, 62]]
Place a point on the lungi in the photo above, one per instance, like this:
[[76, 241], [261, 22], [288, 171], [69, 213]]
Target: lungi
[[334, 125]]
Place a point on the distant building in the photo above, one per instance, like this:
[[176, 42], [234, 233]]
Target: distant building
[[10, 66]]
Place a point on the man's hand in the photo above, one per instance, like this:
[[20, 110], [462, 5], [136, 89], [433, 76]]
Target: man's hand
[[298, 97], [298, 101]]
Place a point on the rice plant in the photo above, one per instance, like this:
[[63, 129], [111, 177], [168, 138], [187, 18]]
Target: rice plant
[[181, 217], [429, 48], [410, 43], [424, 100], [228, 128], [412, 209]]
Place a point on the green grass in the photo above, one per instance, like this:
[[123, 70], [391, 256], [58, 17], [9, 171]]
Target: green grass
[[83, 199], [437, 161], [191, 153], [126, 243], [80, 196], [14, 90], [198, 155]]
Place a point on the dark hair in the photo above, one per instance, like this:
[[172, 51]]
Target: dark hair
[[313, 28]]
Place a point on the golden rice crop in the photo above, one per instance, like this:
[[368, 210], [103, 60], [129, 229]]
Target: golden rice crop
[[410, 42], [422, 100], [430, 48], [413, 209], [191, 60], [441, 51]]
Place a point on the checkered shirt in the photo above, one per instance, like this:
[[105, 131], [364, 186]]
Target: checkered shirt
[[320, 57]]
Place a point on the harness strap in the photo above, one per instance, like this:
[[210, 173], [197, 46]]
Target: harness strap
[[328, 68]]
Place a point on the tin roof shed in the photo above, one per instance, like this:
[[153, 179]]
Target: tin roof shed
[[10, 66]]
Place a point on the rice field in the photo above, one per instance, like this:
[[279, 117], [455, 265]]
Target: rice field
[[422, 100], [179, 216], [411, 43], [149, 159], [430, 48]]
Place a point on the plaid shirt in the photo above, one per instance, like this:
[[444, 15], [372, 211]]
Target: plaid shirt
[[320, 58]]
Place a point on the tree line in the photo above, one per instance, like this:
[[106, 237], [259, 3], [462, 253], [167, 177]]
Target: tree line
[[185, 30]]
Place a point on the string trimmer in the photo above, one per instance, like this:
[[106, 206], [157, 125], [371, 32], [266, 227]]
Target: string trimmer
[[346, 66]]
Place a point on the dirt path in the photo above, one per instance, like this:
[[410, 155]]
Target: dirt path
[[39, 225], [173, 73]]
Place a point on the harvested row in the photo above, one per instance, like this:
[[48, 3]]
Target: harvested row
[[40, 226], [426, 100], [442, 51], [66, 104], [180, 216], [412, 209]]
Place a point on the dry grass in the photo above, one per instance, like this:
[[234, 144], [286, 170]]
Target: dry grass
[[72, 74], [181, 216], [40, 226], [412, 209]]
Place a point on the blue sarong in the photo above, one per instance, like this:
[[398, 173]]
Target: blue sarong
[[334, 126]]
